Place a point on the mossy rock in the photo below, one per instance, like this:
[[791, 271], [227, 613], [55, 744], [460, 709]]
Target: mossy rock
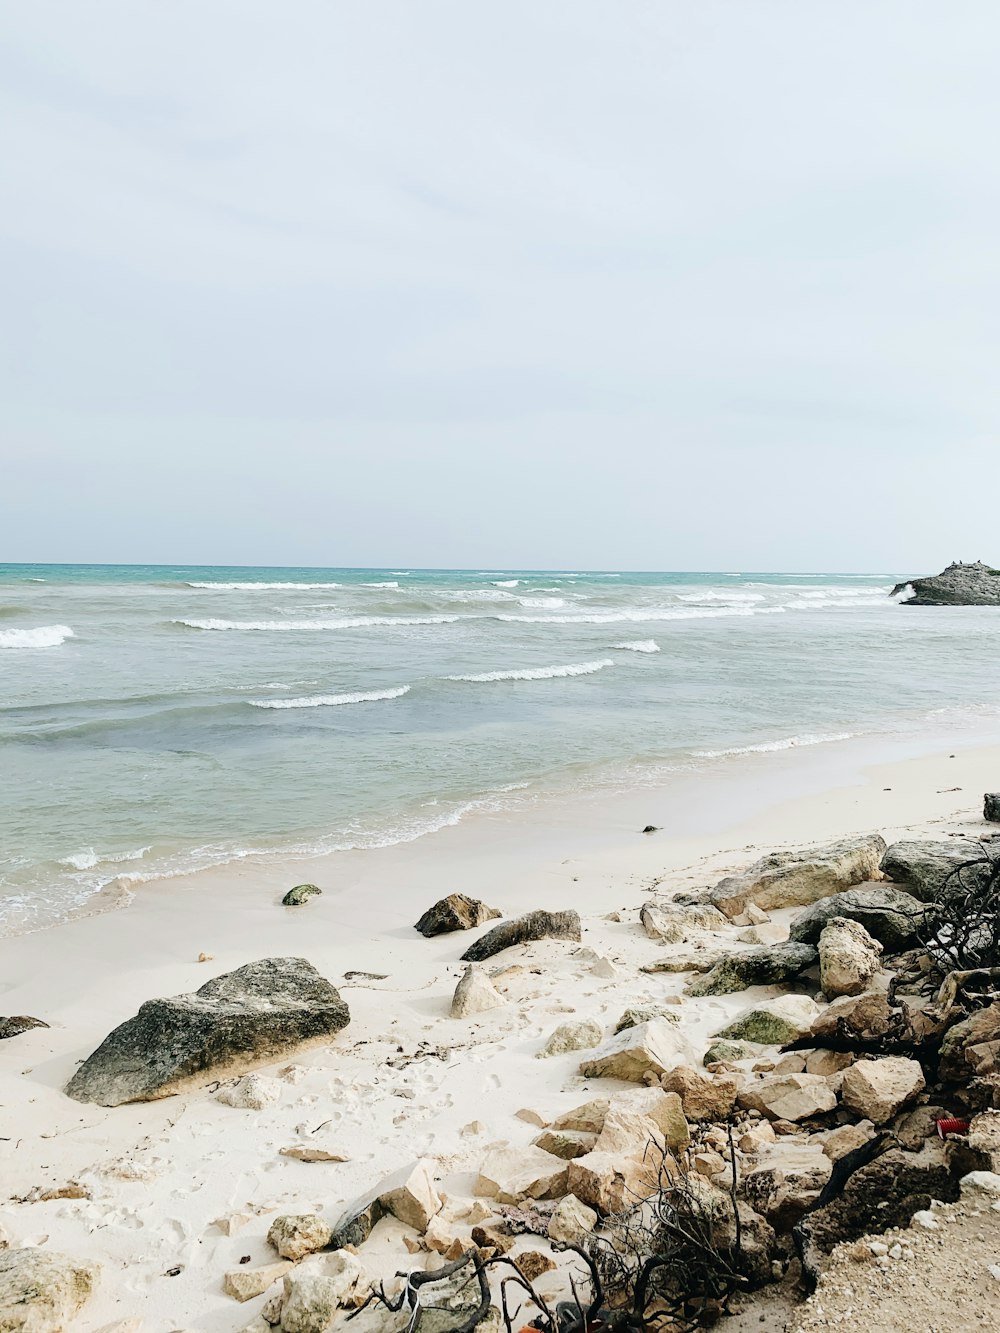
[[631, 1018], [300, 894], [730, 1050]]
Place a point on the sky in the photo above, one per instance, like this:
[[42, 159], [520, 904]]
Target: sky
[[632, 284]]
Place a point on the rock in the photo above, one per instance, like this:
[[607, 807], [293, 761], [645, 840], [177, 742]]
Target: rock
[[764, 966], [572, 1222], [608, 1182], [588, 1118], [960, 584], [532, 1117], [922, 867], [664, 1109], [410, 1195], [13, 1027], [355, 1224], [41, 1291], [752, 1140], [652, 1047], [984, 1138], [774, 1022], [846, 1138], [889, 915], [978, 1185], [673, 923], [971, 1048], [312, 1296], [456, 912], [876, 1089], [296, 1235], [300, 894], [784, 1193], [231, 1223], [475, 994], [306, 1152], [627, 1132], [245, 1284], [631, 1018], [537, 925], [827, 1062], [578, 1036], [511, 1175], [868, 1015], [249, 1017], [690, 960], [792, 1097], [728, 1052], [991, 807], [566, 1143], [702, 1098], [796, 879], [848, 958], [253, 1092], [533, 1263]]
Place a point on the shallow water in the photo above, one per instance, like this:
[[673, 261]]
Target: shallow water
[[158, 719]]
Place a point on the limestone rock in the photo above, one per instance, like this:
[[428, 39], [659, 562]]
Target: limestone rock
[[868, 1015], [629, 1133], [608, 1182], [252, 1092], [876, 1089], [300, 894], [698, 959], [961, 584], [674, 923], [652, 1047], [576, 1036], [539, 925], [566, 1143], [768, 965], [410, 1195], [702, 1098], [533, 1263], [456, 912], [784, 1192], [631, 1018], [511, 1175], [729, 1052], [475, 994], [774, 1022], [795, 879], [984, 1137], [846, 1138], [848, 958], [41, 1291], [588, 1118], [296, 1235], [572, 1221], [922, 867], [792, 1097], [888, 914], [664, 1109], [245, 1284], [827, 1062], [14, 1026], [971, 1048], [234, 1022], [315, 1290]]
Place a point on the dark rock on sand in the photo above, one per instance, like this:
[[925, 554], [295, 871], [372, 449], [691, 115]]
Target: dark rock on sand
[[958, 585], [300, 894], [796, 879], [922, 867], [233, 1023], [888, 914], [767, 966], [456, 912], [539, 925], [991, 807], [13, 1027]]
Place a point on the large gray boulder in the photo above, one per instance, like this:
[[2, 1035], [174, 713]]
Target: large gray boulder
[[767, 966], [538, 925], [233, 1023], [991, 807], [888, 914], [975, 584], [456, 912], [41, 1291], [922, 867], [796, 879]]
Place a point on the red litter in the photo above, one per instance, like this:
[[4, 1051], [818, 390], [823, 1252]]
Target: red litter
[[952, 1127]]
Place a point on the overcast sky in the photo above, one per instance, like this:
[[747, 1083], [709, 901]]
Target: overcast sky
[[616, 284]]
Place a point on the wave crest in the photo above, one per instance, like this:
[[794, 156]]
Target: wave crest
[[43, 636], [264, 587], [766, 747], [332, 700], [342, 622], [537, 673], [637, 646]]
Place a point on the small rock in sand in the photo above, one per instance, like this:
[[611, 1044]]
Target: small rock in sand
[[578, 1036], [538, 925], [306, 1152], [296, 1235], [848, 957], [475, 994], [244, 1284], [654, 1047], [572, 1221], [13, 1027], [511, 1175], [877, 1089], [300, 895], [410, 1195], [41, 1291], [253, 1092], [456, 912], [532, 1117]]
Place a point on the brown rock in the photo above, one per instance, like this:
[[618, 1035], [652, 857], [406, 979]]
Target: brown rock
[[456, 912], [702, 1098]]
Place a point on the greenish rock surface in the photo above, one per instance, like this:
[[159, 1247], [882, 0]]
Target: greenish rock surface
[[730, 1050], [888, 915], [631, 1018], [774, 1022], [300, 894], [769, 965]]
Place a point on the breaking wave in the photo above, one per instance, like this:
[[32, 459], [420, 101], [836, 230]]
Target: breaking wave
[[637, 646], [332, 700], [342, 622], [537, 673], [44, 636], [266, 587], [789, 743]]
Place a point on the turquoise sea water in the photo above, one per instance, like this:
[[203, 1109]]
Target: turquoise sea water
[[157, 719]]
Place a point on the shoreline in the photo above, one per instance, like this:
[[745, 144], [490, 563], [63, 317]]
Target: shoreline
[[159, 1174]]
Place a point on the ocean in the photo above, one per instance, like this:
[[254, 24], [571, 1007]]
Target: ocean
[[155, 720]]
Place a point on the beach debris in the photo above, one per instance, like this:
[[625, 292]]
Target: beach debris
[[790, 1097], [46, 1194], [245, 1284], [702, 1098], [877, 1089], [366, 976], [798, 878], [206, 957], [475, 994], [675, 923], [41, 1290], [572, 1221], [767, 965], [294, 1235], [651, 828], [578, 1036], [991, 807], [300, 895], [773, 1022], [248, 1017], [889, 915], [848, 958], [652, 1047], [456, 912], [18, 1023], [304, 1152], [511, 1175], [538, 925], [252, 1092]]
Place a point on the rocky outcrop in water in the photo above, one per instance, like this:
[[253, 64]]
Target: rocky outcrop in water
[[958, 585]]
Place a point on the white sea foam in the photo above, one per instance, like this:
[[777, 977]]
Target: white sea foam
[[89, 859], [265, 587], [638, 646], [543, 603], [506, 583], [477, 595], [332, 700], [711, 596], [766, 747], [538, 673], [341, 622], [43, 636], [389, 584], [905, 594], [639, 615]]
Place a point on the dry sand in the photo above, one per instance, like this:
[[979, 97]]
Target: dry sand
[[404, 1078]]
